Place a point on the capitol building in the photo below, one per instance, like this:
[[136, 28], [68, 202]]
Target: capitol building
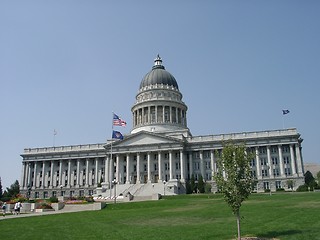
[[159, 155]]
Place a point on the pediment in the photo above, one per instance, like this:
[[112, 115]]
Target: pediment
[[145, 138]]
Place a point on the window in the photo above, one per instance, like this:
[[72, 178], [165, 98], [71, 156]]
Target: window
[[278, 184], [266, 185], [264, 172], [274, 160]]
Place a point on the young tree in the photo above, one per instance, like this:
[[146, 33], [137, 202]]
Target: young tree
[[201, 184], [0, 189], [234, 177]]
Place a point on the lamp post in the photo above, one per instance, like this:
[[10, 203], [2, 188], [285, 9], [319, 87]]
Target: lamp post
[[29, 192], [164, 188], [114, 182]]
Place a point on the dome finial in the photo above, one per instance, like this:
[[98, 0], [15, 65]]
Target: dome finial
[[158, 61]]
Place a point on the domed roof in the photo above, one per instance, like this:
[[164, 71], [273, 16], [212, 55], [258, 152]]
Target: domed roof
[[158, 75]]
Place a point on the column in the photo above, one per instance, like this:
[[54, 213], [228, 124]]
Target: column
[[106, 170], [170, 112], [78, 173], [87, 172], [35, 175], [149, 167], [138, 168], [269, 161], [118, 167], [159, 167], [60, 173], [299, 161], [96, 172], [43, 178], [293, 164], [128, 181], [25, 175], [202, 165], [258, 163], [182, 165], [51, 174], [111, 176], [163, 108], [213, 163], [29, 175], [69, 173], [171, 165], [177, 117], [190, 165], [281, 161]]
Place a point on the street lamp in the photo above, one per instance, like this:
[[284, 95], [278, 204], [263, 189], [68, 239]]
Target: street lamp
[[164, 188], [29, 191], [114, 182]]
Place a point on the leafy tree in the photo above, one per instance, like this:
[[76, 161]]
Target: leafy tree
[[290, 184], [201, 184], [14, 190], [188, 187], [318, 177], [1, 193], [309, 180], [234, 177], [193, 184]]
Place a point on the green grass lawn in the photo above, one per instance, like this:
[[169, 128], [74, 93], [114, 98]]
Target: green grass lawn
[[188, 217]]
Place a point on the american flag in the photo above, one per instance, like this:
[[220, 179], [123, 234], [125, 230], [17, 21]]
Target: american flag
[[117, 121]]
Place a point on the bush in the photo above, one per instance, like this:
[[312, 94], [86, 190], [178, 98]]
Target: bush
[[207, 188], [303, 188], [280, 189], [267, 190], [53, 200], [44, 206]]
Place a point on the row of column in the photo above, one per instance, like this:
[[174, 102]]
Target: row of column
[[295, 161], [159, 114], [29, 167], [110, 174]]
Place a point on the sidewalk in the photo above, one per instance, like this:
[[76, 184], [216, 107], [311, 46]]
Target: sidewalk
[[35, 214]]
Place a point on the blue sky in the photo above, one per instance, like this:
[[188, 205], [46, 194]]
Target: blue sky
[[66, 65]]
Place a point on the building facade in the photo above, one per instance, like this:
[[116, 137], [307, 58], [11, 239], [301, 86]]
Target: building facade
[[159, 155]]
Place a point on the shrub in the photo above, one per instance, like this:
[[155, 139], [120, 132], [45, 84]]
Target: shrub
[[44, 206], [207, 188], [53, 200], [303, 188], [280, 189], [267, 190]]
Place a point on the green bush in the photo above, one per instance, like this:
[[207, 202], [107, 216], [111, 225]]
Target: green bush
[[280, 190], [267, 190], [303, 188], [207, 188], [53, 200]]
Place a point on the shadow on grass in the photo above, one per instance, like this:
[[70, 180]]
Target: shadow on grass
[[275, 234]]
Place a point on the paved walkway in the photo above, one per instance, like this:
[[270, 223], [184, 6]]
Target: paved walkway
[[35, 214]]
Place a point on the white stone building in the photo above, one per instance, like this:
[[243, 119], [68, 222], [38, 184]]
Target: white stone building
[[159, 155]]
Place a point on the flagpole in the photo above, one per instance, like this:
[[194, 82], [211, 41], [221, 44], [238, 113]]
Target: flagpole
[[54, 137], [111, 158]]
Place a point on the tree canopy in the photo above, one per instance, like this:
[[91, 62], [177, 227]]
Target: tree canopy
[[234, 176]]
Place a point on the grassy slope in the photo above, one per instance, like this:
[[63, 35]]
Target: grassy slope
[[284, 216]]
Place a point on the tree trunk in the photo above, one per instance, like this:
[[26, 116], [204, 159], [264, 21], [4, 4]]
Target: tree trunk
[[238, 225]]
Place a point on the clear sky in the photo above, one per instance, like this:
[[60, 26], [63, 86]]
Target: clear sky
[[67, 64]]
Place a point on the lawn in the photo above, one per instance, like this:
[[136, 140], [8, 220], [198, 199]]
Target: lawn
[[188, 217]]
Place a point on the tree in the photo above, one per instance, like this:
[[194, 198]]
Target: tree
[[201, 184], [14, 190], [0, 189], [234, 177], [193, 184], [318, 177], [309, 180]]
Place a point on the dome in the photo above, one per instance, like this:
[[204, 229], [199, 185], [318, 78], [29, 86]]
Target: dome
[[158, 75]]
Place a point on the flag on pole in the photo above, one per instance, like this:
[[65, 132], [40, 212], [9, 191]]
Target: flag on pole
[[117, 121], [286, 111], [117, 135]]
